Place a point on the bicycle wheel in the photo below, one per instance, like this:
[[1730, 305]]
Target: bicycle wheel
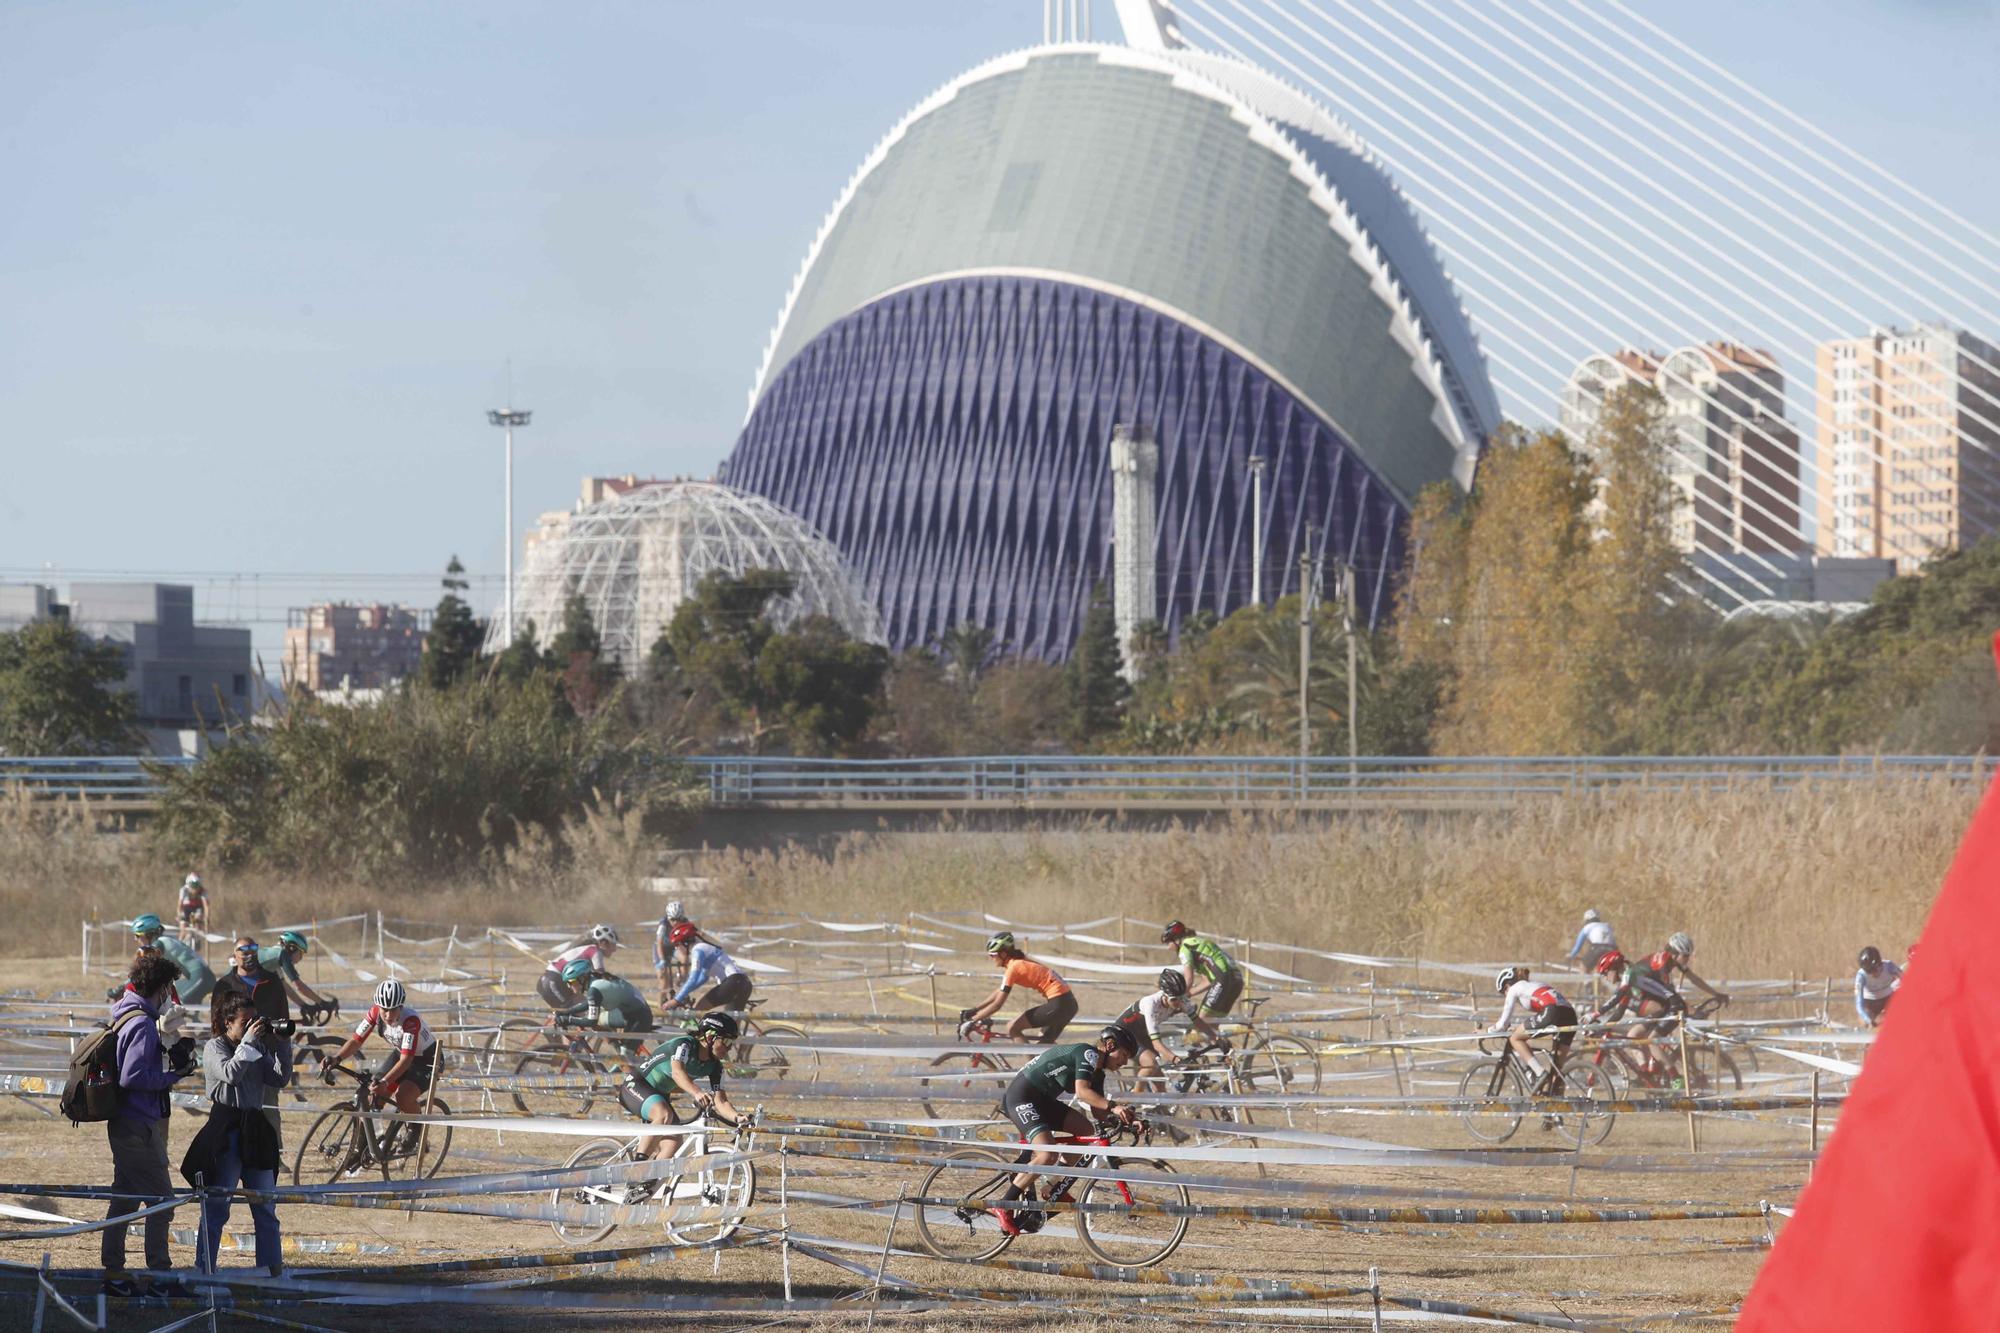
[[1594, 1083], [1491, 1081], [729, 1189], [1279, 1063], [959, 1227], [335, 1148], [756, 1060], [435, 1143], [1133, 1240], [538, 1068], [974, 1075], [1715, 1071], [597, 1152]]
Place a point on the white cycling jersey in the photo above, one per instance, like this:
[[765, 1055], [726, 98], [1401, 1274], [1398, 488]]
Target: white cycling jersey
[[588, 951], [1879, 986], [1532, 997]]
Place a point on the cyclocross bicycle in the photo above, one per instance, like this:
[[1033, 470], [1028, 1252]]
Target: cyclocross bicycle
[[346, 1142], [724, 1192], [1500, 1079]]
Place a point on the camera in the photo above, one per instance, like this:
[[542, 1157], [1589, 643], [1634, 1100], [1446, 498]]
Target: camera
[[283, 1027]]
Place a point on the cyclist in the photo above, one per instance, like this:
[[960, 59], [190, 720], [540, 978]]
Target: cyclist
[[1593, 940], [675, 1066], [1547, 1010], [197, 980], [609, 1003], [407, 1071], [1034, 1103], [1051, 1016], [1674, 958], [707, 962], [1656, 1005], [1146, 1016], [663, 944], [603, 942], [1221, 980], [1877, 980], [282, 960], [193, 907]]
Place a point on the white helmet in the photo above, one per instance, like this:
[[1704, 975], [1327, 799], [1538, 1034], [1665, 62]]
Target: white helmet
[[191, 882], [1508, 976], [1590, 915], [391, 995], [676, 910], [604, 933]]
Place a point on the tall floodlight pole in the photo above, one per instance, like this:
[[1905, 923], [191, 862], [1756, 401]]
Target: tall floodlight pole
[[1306, 591], [1353, 671], [507, 418], [1256, 529]]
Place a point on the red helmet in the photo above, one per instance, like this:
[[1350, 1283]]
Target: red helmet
[[1174, 932], [683, 931], [1611, 962]]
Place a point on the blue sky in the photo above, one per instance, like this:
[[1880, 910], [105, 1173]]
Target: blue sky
[[262, 264]]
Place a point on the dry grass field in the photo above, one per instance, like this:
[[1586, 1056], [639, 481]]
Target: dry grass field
[[1775, 886]]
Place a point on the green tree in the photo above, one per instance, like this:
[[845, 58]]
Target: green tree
[[825, 685], [60, 695], [452, 645], [1265, 693], [577, 654], [520, 660], [969, 649], [1094, 689], [713, 642]]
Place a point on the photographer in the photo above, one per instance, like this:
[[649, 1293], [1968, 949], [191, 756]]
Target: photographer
[[242, 1062], [138, 1130]]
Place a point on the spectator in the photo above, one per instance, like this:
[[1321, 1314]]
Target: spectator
[[265, 991], [241, 1063], [138, 1130]]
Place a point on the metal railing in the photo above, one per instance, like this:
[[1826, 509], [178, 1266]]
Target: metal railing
[[1110, 781], [1166, 782]]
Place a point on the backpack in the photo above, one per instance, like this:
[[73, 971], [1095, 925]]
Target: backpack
[[92, 1092]]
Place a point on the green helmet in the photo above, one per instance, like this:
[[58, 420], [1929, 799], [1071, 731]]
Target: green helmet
[[291, 939], [148, 924], [1001, 943], [576, 969]]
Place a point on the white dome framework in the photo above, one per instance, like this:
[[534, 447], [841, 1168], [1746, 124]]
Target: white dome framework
[[635, 558]]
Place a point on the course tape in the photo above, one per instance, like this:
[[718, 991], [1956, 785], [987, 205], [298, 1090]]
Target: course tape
[[1401, 1214]]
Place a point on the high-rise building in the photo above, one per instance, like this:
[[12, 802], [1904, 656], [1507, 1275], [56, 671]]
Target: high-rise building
[[596, 490], [1733, 457], [1909, 453], [367, 647]]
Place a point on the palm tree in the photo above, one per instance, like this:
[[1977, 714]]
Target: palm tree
[[1265, 692], [970, 650]]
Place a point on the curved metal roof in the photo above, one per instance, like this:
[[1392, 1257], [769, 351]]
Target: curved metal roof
[[1192, 183]]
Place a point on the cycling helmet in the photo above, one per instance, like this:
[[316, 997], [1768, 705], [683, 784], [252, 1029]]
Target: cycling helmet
[[1508, 976], [604, 933], [147, 925], [1871, 958], [191, 882], [681, 933], [391, 995], [1174, 932], [1682, 943], [576, 969], [1001, 943], [291, 939], [1611, 962], [676, 911], [1590, 915], [1120, 1035], [718, 1024], [1172, 983]]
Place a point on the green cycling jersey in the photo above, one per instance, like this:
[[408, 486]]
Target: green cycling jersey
[[272, 959], [658, 1071], [196, 978], [1206, 957], [617, 1003], [1058, 1070]]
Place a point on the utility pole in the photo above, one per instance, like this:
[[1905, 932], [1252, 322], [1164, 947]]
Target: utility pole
[[1353, 690], [508, 418], [1306, 591], [1256, 529]]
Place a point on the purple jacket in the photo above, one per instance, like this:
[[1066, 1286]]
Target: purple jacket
[[142, 1070]]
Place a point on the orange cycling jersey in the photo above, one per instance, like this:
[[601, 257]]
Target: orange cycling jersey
[[1028, 972]]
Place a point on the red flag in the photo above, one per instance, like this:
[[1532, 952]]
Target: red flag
[[1900, 1226]]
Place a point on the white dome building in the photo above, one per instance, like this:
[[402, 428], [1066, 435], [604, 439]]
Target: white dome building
[[635, 557]]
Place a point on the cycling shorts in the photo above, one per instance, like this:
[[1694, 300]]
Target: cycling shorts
[[1662, 1016], [1220, 998], [1033, 1111], [1876, 1008], [552, 990], [638, 1098], [420, 1073], [192, 915], [1556, 1016], [728, 993], [1052, 1015]]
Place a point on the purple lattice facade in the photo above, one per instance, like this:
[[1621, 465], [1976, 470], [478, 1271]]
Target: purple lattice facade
[[952, 440]]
